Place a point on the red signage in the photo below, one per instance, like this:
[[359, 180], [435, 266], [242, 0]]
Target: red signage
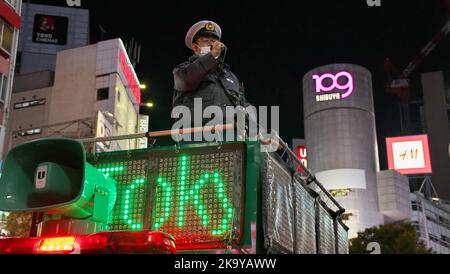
[[303, 156], [129, 75], [9, 14]]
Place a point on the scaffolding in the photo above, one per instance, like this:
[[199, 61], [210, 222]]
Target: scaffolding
[[75, 129]]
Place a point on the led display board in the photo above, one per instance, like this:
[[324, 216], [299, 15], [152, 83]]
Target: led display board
[[194, 195]]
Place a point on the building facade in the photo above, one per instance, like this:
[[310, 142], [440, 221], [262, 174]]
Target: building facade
[[432, 223], [93, 92], [47, 30], [10, 23], [436, 110], [342, 152], [341, 139]]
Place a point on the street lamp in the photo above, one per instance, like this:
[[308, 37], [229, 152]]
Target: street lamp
[[110, 115], [435, 199], [148, 105]]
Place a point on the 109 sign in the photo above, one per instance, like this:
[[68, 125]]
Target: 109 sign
[[327, 83]]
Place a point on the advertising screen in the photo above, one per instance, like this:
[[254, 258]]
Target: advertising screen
[[409, 154], [50, 29]]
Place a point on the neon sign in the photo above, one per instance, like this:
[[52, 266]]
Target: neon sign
[[129, 75], [191, 200], [303, 156], [345, 90]]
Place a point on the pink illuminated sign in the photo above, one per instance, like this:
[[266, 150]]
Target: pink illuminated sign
[[129, 75], [345, 89]]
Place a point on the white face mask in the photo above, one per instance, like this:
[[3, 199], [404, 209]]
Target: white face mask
[[204, 51]]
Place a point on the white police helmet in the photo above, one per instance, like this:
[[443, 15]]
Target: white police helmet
[[202, 28]]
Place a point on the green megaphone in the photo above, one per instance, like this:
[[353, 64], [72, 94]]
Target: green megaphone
[[52, 176]]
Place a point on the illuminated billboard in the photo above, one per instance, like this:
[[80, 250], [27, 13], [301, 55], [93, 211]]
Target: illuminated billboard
[[299, 146], [409, 155], [143, 128], [333, 87], [50, 29]]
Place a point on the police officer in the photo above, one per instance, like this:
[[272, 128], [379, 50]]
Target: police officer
[[205, 75]]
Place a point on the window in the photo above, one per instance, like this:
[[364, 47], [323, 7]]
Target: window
[[448, 115], [30, 132], [102, 94], [3, 87], [434, 238], [443, 220], [18, 62], [416, 206], [6, 36], [29, 104], [13, 3], [3, 217]]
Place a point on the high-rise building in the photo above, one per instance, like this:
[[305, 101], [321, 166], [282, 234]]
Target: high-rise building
[[432, 222], [341, 139], [93, 92], [9, 36], [436, 117]]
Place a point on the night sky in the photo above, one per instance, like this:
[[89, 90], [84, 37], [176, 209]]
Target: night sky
[[272, 45]]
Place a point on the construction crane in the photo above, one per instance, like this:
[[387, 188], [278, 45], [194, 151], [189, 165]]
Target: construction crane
[[399, 83]]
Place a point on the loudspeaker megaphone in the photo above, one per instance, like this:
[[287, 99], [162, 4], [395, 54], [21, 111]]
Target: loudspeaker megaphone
[[52, 176]]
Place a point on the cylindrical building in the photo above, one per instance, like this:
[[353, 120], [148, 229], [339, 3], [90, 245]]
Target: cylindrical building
[[341, 139]]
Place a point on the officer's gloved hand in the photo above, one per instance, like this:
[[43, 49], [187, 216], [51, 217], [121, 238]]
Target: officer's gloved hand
[[217, 48]]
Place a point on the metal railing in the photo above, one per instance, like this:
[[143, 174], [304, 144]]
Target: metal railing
[[277, 141]]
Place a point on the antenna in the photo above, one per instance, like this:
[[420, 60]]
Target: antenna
[[139, 54], [134, 49], [103, 32]]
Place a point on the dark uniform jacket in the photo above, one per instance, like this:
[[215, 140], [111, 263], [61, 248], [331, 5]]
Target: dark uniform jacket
[[202, 77]]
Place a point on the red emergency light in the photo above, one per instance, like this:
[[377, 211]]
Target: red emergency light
[[101, 243]]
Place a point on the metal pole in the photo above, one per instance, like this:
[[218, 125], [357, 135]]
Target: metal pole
[[163, 133]]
